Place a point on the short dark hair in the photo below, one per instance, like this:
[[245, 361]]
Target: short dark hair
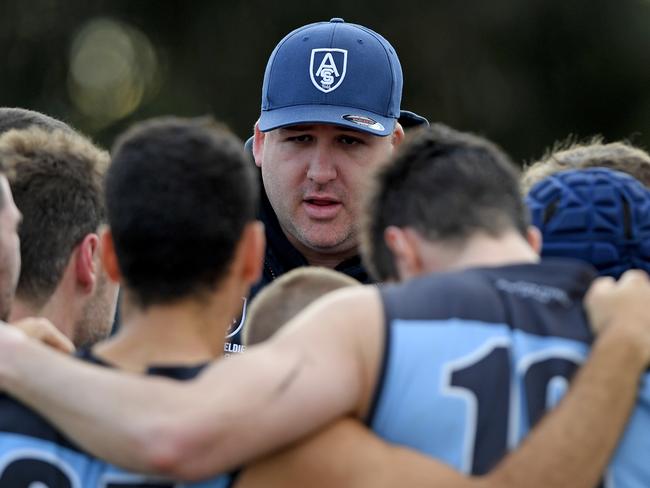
[[179, 194], [446, 185], [21, 118], [57, 182]]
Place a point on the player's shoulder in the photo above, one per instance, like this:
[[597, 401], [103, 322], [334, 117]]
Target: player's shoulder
[[438, 295], [488, 293]]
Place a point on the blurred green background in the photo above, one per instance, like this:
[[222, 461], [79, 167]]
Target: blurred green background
[[522, 72]]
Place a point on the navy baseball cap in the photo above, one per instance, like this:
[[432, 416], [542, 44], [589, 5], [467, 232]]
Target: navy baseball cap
[[596, 215], [332, 73]]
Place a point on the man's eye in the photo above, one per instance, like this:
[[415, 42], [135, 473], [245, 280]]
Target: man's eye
[[300, 138], [349, 141]]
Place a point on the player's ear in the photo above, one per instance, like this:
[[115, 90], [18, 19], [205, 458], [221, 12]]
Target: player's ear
[[404, 250], [85, 262], [109, 258], [258, 145], [251, 249], [398, 135], [534, 238]]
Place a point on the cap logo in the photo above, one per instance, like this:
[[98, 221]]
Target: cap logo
[[327, 68], [364, 121]]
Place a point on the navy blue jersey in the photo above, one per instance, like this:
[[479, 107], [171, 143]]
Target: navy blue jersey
[[473, 359], [34, 454]]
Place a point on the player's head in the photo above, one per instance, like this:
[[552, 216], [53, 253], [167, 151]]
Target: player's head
[[596, 215], [564, 156], [285, 297], [57, 181], [181, 200], [330, 107], [446, 186], [20, 118], [9, 245]]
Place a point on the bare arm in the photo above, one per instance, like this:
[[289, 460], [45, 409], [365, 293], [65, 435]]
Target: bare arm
[[347, 455], [238, 409], [247, 406], [569, 448]]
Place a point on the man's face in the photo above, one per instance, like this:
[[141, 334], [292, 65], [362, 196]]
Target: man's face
[[314, 177], [9, 249]]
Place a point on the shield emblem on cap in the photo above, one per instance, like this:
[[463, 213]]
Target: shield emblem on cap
[[327, 68]]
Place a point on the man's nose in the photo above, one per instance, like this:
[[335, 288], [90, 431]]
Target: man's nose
[[322, 167]]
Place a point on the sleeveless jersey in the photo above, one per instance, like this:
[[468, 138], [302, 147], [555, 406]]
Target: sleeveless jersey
[[474, 358], [33, 454]]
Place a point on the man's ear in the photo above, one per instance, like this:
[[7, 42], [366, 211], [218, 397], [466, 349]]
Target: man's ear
[[85, 264], [398, 135], [108, 256], [254, 243], [405, 253], [534, 238], [258, 145]]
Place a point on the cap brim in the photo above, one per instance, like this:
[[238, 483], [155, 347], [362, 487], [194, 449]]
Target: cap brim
[[361, 120], [410, 119]]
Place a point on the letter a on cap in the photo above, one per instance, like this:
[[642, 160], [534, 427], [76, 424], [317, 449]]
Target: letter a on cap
[[327, 68]]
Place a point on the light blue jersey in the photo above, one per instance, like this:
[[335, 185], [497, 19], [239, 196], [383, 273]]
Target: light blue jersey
[[29, 462], [474, 359]]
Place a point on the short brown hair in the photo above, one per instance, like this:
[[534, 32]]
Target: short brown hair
[[446, 185], [620, 156], [283, 299], [56, 177]]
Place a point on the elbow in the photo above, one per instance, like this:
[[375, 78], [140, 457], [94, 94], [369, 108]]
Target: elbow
[[181, 448], [168, 451]]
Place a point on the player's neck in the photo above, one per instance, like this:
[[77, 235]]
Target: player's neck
[[483, 250], [183, 333], [60, 316]]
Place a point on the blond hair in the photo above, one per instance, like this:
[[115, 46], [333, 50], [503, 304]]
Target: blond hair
[[619, 156], [283, 299]]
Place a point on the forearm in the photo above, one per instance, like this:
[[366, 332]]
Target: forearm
[[144, 424], [573, 444], [237, 410], [113, 415], [234, 412], [348, 455]]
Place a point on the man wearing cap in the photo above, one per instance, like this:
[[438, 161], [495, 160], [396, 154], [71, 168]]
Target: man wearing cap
[[330, 109], [330, 114]]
